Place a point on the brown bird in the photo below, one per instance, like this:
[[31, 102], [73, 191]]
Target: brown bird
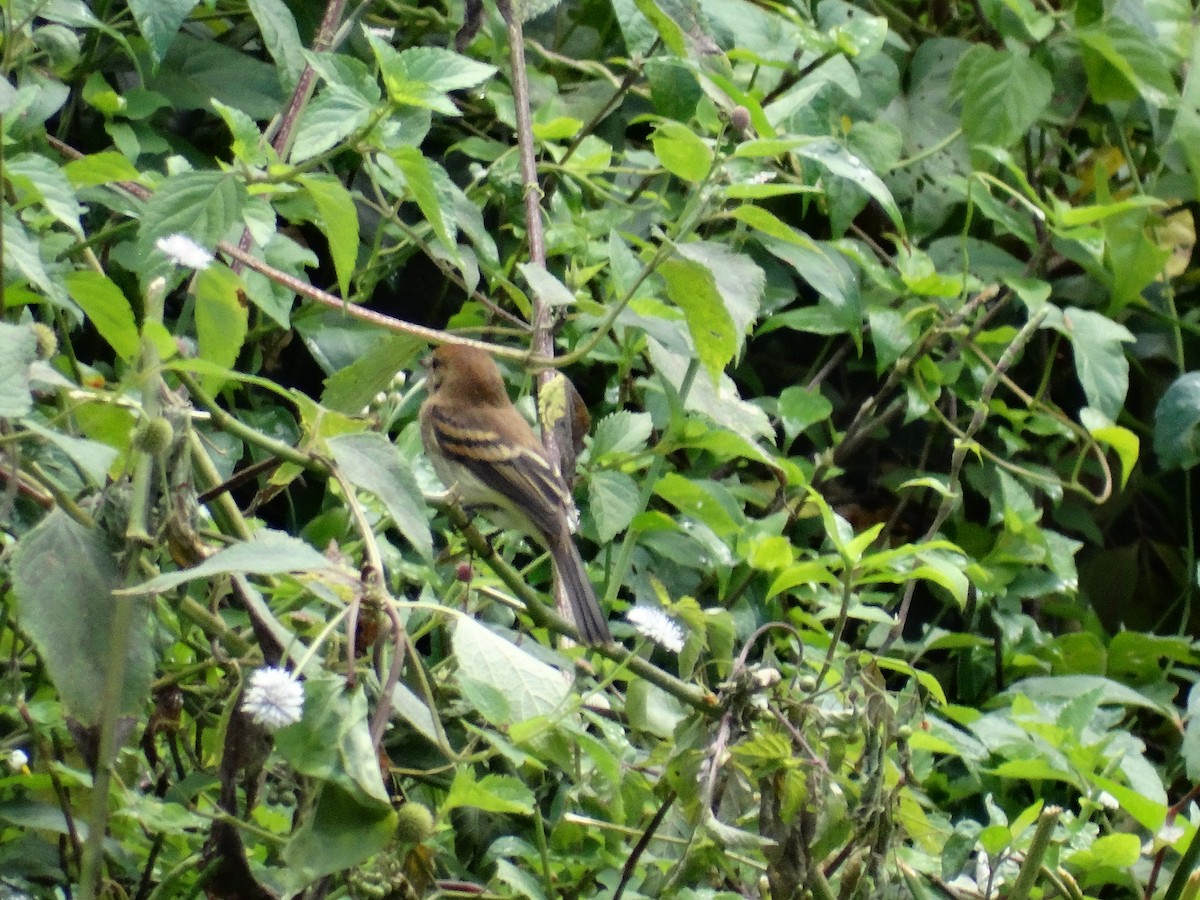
[[488, 456]]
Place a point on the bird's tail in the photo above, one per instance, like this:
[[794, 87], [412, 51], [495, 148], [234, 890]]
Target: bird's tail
[[581, 596]]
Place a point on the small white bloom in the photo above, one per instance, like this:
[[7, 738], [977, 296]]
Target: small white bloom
[[274, 699], [183, 251], [657, 626], [1108, 801], [18, 760], [762, 177], [1166, 836]]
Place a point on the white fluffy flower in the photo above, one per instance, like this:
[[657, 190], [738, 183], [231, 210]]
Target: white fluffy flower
[[274, 698], [183, 251], [18, 760], [657, 626]]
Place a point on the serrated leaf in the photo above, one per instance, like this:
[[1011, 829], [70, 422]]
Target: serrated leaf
[[35, 174], [613, 502], [621, 432], [492, 793], [101, 168], [739, 280], [202, 205], [693, 288], [370, 462], [839, 161], [64, 575]]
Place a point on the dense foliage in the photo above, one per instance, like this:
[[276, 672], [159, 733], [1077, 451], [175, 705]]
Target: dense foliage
[[884, 314]]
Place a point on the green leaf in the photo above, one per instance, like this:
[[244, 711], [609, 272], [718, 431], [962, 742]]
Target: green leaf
[[545, 286], [93, 459], [338, 221], [693, 288], [281, 38], [621, 432], [739, 281], [64, 575], [699, 500], [842, 163], [1122, 64], [159, 21], [1126, 444], [1177, 424], [203, 205], [1100, 360], [613, 502], [18, 350], [419, 178], [196, 70], [1185, 132], [108, 310], [1003, 94], [492, 793], [221, 317], [681, 151], [530, 687], [101, 168], [370, 462], [800, 408], [351, 388], [267, 553], [341, 833], [36, 178]]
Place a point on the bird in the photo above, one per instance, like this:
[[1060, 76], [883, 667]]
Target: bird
[[488, 456]]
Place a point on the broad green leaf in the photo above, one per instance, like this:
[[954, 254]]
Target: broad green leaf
[[332, 741], [249, 146], [621, 432], [64, 575], [101, 168], [1100, 360], [1177, 424], [108, 309], [22, 255], [698, 500], [444, 69], [693, 288], [842, 163], [338, 221], [341, 833], [197, 70], [351, 388], [35, 177], [670, 32], [1122, 64], [681, 151], [1003, 94], [281, 38], [18, 350], [159, 21], [1126, 444], [1185, 132], [221, 317], [545, 286], [613, 502], [739, 280], [529, 686], [202, 205], [492, 793], [267, 553], [344, 105], [92, 458], [370, 462], [419, 177]]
